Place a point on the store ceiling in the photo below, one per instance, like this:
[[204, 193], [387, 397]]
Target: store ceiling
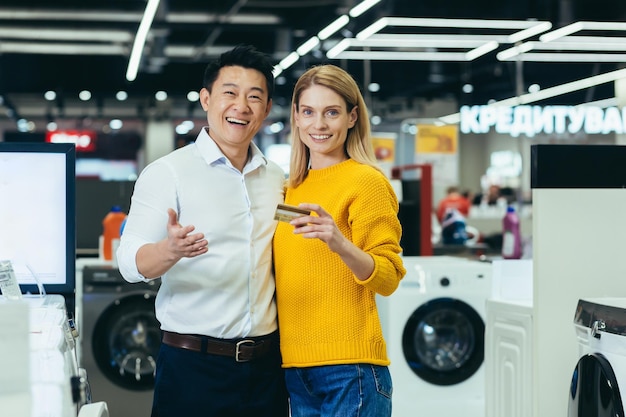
[[70, 45]]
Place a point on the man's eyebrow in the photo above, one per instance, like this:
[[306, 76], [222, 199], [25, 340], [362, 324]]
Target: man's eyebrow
[[259, 89]]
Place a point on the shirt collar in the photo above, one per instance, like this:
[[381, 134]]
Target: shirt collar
[[212, 153]]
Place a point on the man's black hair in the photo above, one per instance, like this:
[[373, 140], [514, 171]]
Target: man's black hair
[[246, 56]]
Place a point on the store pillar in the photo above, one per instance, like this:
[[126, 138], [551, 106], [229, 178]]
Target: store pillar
[[620, 96], [159, 139]]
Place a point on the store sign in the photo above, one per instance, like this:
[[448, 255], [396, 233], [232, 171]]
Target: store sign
[[533, 120], [85, 140]]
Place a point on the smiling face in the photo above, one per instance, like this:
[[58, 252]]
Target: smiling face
[[323, 120], [236, 107]]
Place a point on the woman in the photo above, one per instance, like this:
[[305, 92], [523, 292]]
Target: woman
[[330, 264]]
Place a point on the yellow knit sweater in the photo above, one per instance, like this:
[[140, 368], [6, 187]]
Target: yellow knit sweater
[[326, 315]]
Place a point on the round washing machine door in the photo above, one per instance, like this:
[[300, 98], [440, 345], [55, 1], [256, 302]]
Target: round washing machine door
[[594, 391], [444, 341], [126, 341]]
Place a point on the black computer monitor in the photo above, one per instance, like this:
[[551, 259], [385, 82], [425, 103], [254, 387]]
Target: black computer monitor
[[37, 214]]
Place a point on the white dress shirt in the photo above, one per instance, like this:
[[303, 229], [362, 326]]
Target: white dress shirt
[[227, 292]]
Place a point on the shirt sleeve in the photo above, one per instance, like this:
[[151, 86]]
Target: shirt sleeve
[[154, 193]]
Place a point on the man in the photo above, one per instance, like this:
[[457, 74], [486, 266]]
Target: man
[[202, 219]]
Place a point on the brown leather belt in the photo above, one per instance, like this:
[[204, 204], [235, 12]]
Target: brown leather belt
[[243, 350]]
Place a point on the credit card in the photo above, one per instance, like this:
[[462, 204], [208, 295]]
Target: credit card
[[286, 213]]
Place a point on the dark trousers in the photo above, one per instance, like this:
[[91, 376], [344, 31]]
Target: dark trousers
[[193, 384]]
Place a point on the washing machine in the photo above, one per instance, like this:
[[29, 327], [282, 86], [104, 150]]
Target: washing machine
[[434, 326], [120, 340], [600, 374]]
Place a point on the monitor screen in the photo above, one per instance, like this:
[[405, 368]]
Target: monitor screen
[[37, 214]]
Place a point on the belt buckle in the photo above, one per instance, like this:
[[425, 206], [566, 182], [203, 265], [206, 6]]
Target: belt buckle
[[238, 346]]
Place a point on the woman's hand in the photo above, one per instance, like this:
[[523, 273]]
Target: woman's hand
[[320, 227], [323, 227]]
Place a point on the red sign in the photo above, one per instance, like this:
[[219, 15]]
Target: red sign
[[85, 140]]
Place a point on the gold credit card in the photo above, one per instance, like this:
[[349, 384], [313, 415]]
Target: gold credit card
[[286, 213]]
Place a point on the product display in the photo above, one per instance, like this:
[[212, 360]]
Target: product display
[[8, 282]]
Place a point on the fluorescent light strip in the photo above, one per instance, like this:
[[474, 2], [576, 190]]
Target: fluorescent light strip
[[604, 103], [66, 35], [609, 40], [289, 60], [277, 71], [549, 92], [373, 28], [567, 57], [63, 48], [461, 23], [528, 28], [106, 16], [451, 119], [178, 51], [233, 19], [362, 7], [307, 46], [507, 54], [566, 43], [567, 88], [599, 45], [392, 37], [46, 14], [187, 51], [402, 56], [578, 26], [603, 25], [140, 39], [457, 42], [331, 29], [337, 49], [530, 32], [564, 31], [481, 50]]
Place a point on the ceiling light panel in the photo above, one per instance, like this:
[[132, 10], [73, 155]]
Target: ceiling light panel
[[597, 42], [549, 92], [456, 40]]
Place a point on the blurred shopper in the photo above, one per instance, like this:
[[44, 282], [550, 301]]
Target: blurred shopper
[[330, 264], [453, 200], [490, 198], [201, 218]]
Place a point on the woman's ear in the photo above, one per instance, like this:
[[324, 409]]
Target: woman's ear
[[353, 117]]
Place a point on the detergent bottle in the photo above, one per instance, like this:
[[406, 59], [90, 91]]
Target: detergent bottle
[[511, 237], [111, 226]]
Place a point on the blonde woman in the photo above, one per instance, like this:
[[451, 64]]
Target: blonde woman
[[330, 264]]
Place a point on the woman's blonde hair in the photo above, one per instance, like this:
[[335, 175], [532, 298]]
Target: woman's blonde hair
[[358, 145]]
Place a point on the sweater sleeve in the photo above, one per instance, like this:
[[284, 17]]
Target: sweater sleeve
[[376, 230]]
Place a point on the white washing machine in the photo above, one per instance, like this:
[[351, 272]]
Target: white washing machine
[[121, 338], [600, 373], [434, 326]]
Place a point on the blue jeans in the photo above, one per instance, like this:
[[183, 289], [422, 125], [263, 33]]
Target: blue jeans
[[359, 390]]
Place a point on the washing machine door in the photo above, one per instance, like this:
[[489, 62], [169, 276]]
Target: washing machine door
[[126, 341], [594, 391], [444, 341]]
